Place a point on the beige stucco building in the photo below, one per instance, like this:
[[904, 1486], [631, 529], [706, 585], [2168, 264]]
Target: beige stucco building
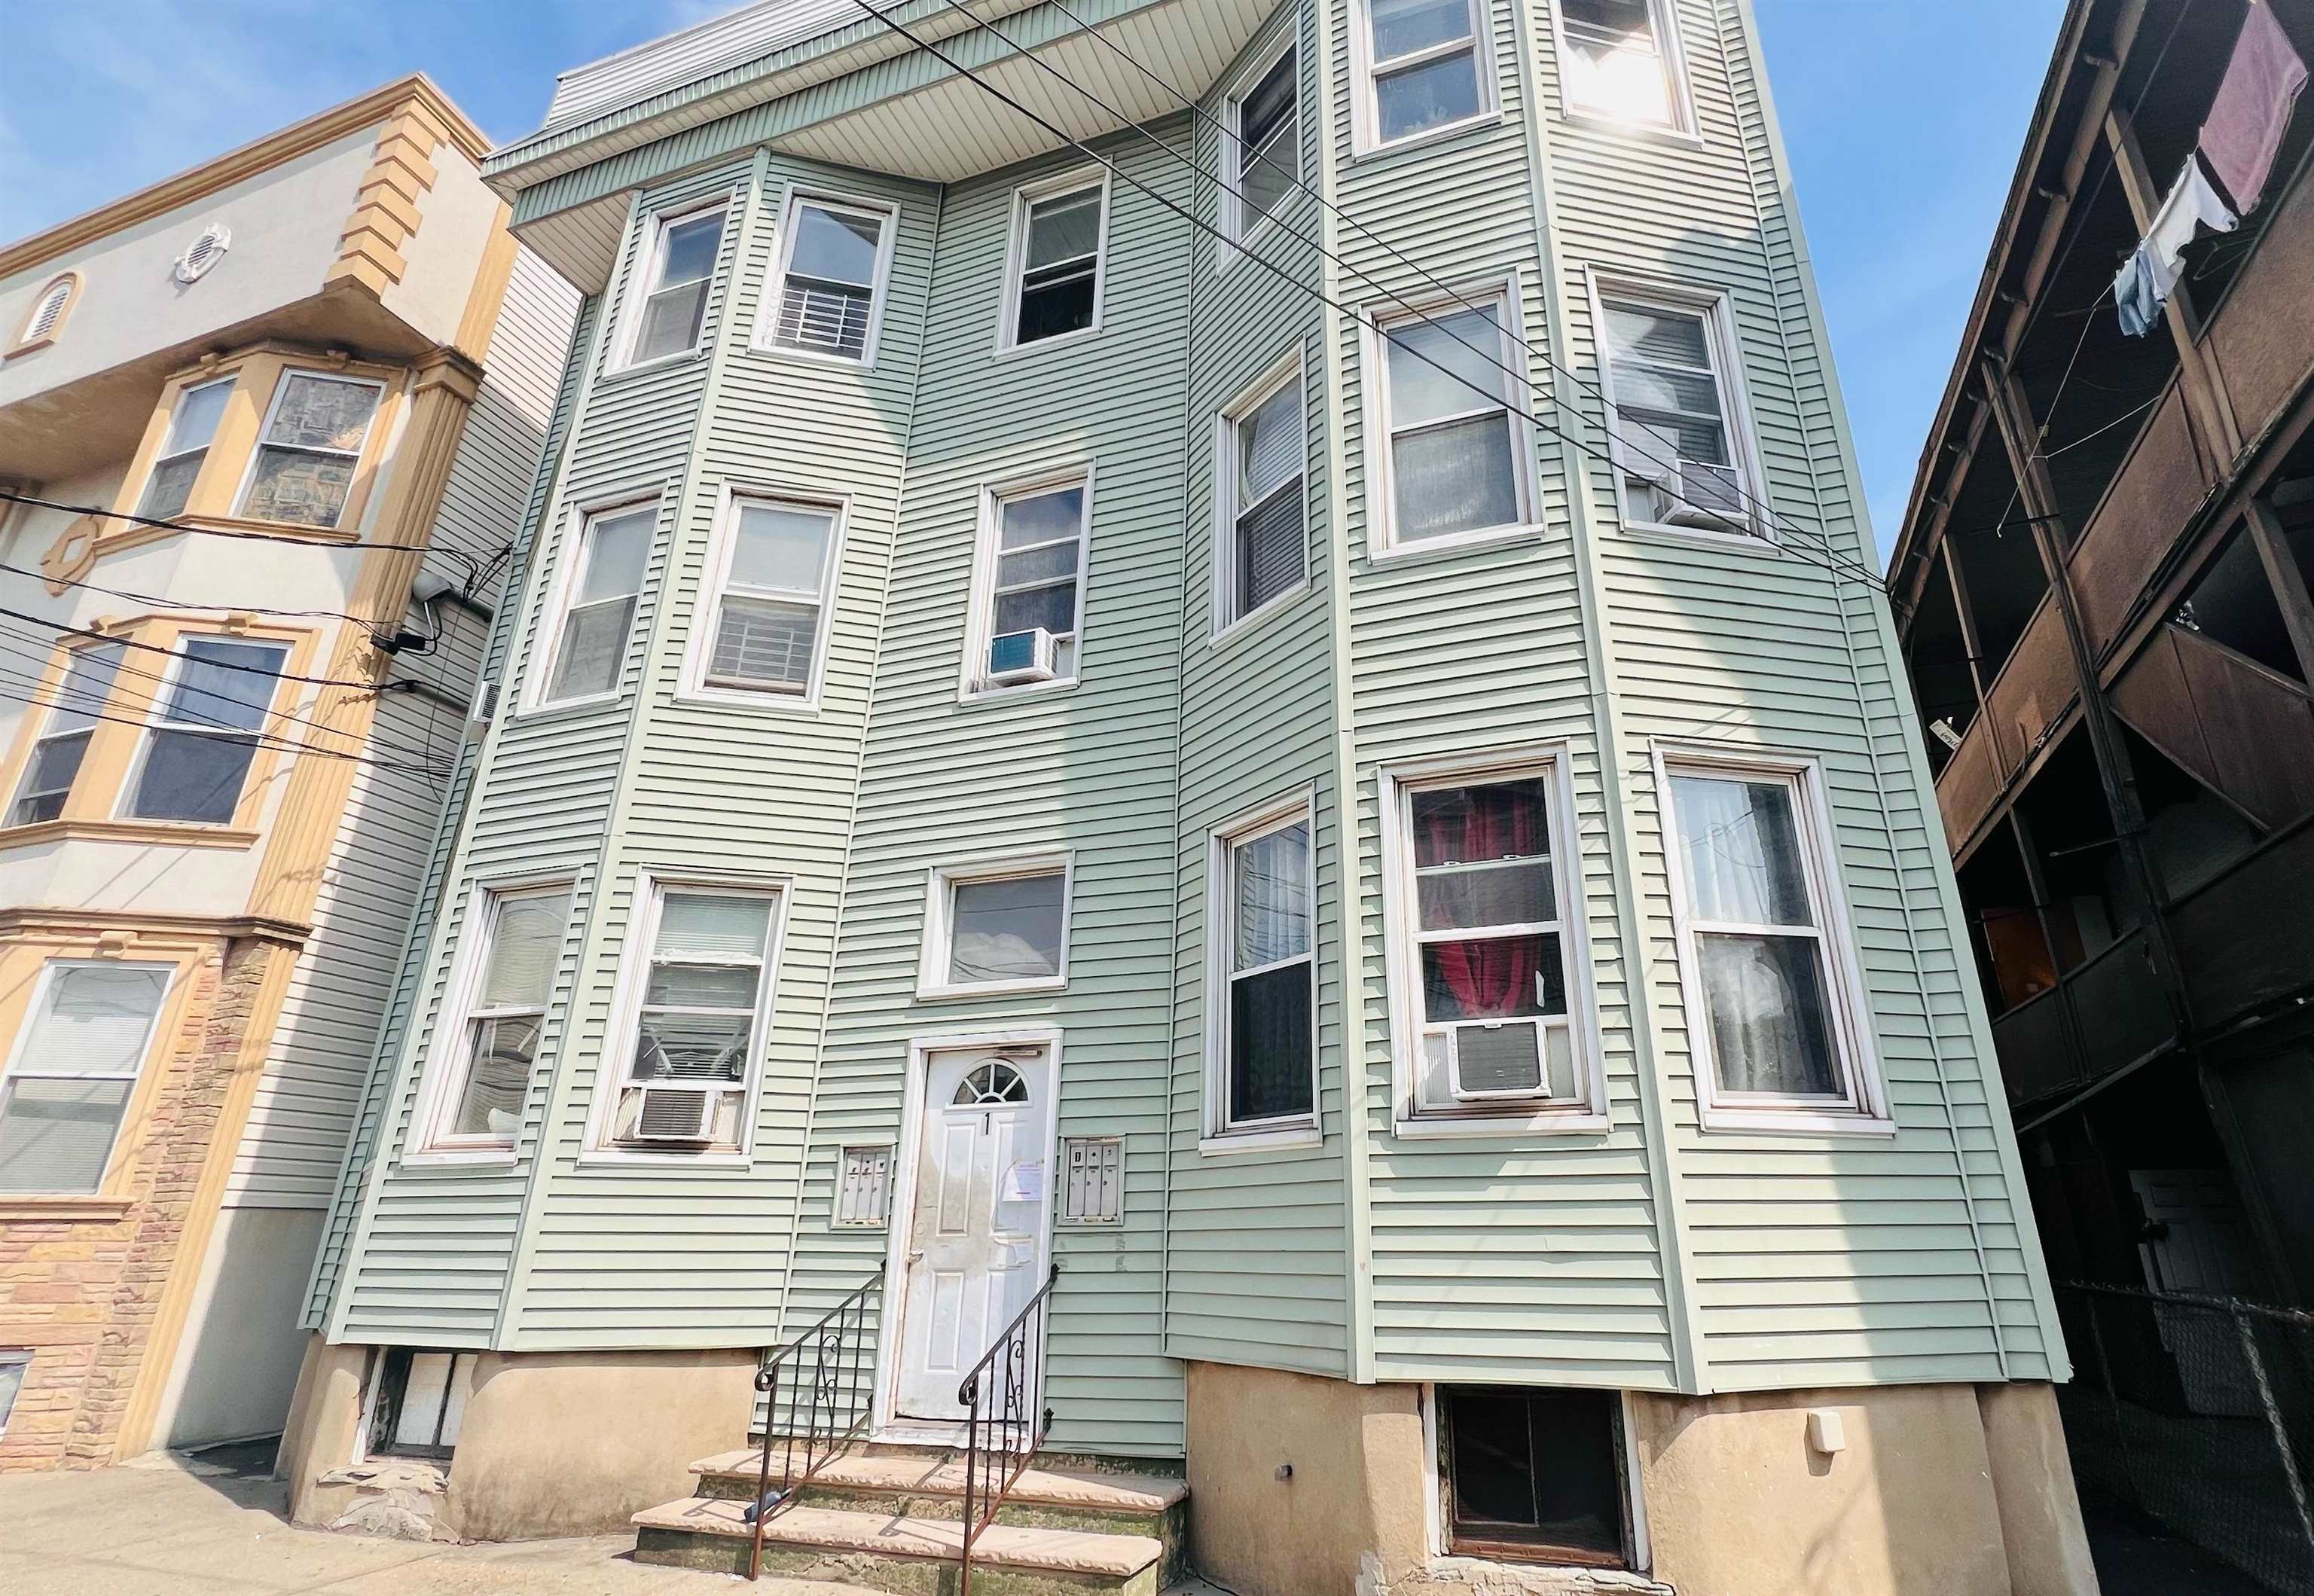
[[264, 426]]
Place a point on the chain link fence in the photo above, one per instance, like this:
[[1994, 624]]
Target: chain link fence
[[2199, 1413]]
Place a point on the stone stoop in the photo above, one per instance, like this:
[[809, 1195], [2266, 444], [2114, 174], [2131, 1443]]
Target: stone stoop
[[889, 1519]]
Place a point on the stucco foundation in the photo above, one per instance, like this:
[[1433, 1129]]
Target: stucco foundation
[[570, 1443], [1943, 1489]]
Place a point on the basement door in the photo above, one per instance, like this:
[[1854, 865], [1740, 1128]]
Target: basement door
[[976, 1233]]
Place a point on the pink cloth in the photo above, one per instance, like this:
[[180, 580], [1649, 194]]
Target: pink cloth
[[2252, 109]]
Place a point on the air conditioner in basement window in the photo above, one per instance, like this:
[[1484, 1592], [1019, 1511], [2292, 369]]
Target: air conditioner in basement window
[[1708, 496], [1016, 656], [667, 1113]]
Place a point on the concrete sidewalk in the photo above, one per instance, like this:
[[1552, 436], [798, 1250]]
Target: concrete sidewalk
[[213, 1526]]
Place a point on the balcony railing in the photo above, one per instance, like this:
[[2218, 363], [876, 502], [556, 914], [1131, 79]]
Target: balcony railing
[[2102, 1015]]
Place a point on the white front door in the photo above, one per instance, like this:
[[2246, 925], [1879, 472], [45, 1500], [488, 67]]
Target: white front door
[[975, 1241]]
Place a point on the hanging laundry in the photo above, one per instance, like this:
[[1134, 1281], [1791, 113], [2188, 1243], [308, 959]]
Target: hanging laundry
[[2145, 281], [2252, 110]]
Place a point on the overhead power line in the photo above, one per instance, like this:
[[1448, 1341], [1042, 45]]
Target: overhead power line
[[1852, 572], [245, 534]]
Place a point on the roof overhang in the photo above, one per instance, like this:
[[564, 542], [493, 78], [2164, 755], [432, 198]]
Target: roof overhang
[[859, 94]]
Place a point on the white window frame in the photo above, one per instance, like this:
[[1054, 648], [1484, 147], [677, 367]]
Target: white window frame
[[1588, 1112], [562, 584], [767, 315], [653, 259], [980, 623], [700, 652], [16, 1071], [156, 723], [1226, 509], [165, 454], [1235, 154], [1717, 312], [1862, 1108], [1016, 257], [1678, 96], [651, 887], [1220, 1135], [19, 1358], [1366, 116], [941, 883], [1503, 293], [448, 1051], [258, 446]]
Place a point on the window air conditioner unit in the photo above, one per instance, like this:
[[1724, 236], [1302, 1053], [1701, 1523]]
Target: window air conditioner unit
[[1708, 496], [1490, 1060], [672, 1114], [1020, 656]]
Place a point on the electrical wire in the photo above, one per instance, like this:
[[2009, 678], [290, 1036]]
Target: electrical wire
[[1852, 572], [64, 627], [473, 565], [1767, 511], [38, 655], [157, 598]]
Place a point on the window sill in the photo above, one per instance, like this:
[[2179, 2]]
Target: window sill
[[625, 1158], [568, 708], [1675, 138], [1222, 1144], [1443, 1126], [757, 704], [297, 530], [459, 1158], [1527, 532], [71, 1210], [1485, 119], [161, 833], [1059, 340], [1720, 1119], [636, 368], [1026, 691], [1703, 537], [772, 352], [991, 989], [1253, 620]]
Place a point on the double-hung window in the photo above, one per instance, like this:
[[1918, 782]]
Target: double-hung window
[[996, 927], [495, 1040], [199, 745], [66, 1091], [1034, 546], [1677, 442], [1262, 977], [1453, 445], [674, 311], [312, 441], [1058, 232], [1775, 1003], [79, 701], [1263, 552], [771, 599], [192, 426], [698, 1021], [1427, 67], [600, 611], [1483, 943], [1265, 139], [832, 267], [1615, 62]]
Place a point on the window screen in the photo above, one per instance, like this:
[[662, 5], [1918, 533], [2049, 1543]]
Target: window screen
[[63, 1098], [828, 300]]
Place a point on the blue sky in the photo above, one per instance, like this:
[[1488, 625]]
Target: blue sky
[[1902, 117]]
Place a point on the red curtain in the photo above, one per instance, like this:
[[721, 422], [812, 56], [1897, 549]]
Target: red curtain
[[1495, 977]]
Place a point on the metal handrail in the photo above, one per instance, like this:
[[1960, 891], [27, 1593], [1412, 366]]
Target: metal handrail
[[837, 1344], [1017, 1427]]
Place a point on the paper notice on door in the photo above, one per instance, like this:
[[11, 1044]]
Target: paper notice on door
[[1024, 1182]]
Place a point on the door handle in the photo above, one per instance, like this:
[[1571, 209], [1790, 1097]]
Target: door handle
[[916, 1254]]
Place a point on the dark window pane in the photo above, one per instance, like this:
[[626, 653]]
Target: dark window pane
[[1053, 608], [1401, 27], [1498, 820], [1050, 308], [1488, 895], [1269, 1044], [1270, 544], [1492, 978], [192, 776], [694, 1046], [171, 485], [1262, 111], [1438, 91], [1536, 1469]]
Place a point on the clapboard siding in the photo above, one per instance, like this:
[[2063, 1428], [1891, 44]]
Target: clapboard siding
[[1089, 769], [1259, 1247]]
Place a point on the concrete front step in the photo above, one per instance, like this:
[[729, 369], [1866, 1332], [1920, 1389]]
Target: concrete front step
[[930, 1486], [908, 1556]]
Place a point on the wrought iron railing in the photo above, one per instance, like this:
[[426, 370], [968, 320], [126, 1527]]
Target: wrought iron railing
[[2198, 1412], [820, 1394], [1005, 1419]]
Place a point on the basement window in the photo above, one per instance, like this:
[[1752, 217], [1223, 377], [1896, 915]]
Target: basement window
[[14, 1365], [1535, 1476], [418, 1401]]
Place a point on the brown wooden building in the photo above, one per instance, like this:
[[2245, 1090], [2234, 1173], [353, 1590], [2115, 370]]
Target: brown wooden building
[[2102, 585]]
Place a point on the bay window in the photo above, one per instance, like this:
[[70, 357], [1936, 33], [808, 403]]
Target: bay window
[[1616, 61], [604, 587], [1262, 553], [192, 428], [1427, 67], [676, 275], [1452, 440], [830, 279], [696, 1027], [491, 1038], [1054, 279], [80, 698], [774, 577], [306, 452], [66, 1091], [200, 742]]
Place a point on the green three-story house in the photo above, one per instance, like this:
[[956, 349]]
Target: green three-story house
[[1194, 690]]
